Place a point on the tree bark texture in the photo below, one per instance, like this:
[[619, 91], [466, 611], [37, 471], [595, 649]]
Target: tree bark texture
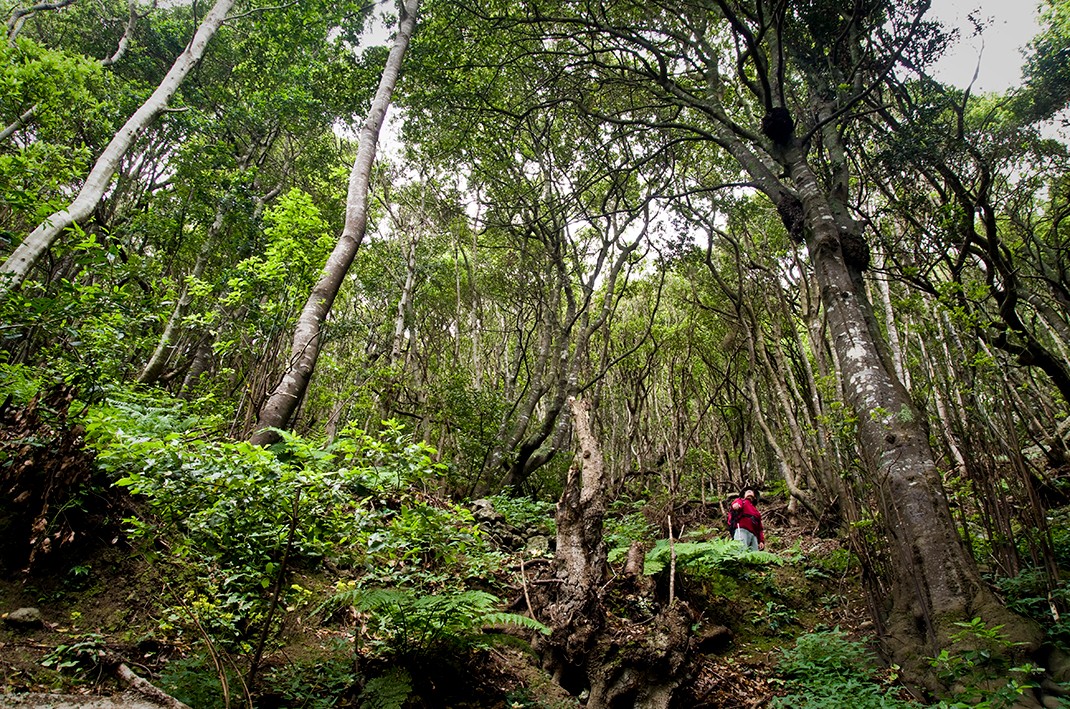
[[17, 266], [576, 616], [621, 663], [281, 405], [935, 582]]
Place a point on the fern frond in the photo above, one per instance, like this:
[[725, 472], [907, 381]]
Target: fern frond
[[718, 553], [388, 691], [522, 621], [365, 599]]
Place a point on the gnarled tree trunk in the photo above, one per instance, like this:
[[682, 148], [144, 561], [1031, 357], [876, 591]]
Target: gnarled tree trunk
[[583, 648]]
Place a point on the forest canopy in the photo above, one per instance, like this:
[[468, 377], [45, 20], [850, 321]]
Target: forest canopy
[[297, 283]]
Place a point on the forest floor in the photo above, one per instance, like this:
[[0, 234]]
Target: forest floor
[[112, 604]]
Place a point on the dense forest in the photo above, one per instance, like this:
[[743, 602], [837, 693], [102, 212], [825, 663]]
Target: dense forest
[[410, 354]]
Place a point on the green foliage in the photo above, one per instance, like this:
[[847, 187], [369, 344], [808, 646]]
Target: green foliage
[[1047, 77], [526, 513], [405, 624], [79, 656], [626, 524], [317, 685], [704, 558], [1027, 593], [826, 670], [1059, 524], [777, 616], [49, 150], [195, 681], [227, 508], [388, 691], [19, 382], [980, 662], [837, 562], [271, 286]]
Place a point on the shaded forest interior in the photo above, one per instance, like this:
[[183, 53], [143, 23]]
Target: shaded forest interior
[[410, 355]]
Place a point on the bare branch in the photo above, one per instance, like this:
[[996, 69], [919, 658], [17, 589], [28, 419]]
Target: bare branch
[[19, 16]]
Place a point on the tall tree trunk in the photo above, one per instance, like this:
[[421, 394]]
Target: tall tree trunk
[[17, 266], [935, 584], [282, 403]]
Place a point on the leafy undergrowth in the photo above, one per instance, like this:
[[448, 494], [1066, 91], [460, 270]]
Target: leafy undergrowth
[[340, 575]]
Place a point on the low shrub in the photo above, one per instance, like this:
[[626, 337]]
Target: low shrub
[[827, 670]]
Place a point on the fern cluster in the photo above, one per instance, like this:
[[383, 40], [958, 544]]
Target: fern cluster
[[407, 622], [700, 558]]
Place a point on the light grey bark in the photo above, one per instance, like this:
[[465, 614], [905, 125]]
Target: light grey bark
[[894, 341], [942, 411], [17, 266], [403, 314], [18, 122], [281, 404], [124, 41], [19, 15], [575, 615]]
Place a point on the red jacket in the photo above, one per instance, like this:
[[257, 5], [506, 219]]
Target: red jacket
[[747, 516]]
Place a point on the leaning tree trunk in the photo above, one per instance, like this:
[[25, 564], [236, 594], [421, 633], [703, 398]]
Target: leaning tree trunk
[[936, 583], [17, 266], [282, 403], [165, 347]]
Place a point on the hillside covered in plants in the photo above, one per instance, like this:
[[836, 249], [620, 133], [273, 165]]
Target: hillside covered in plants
[[412, 355]]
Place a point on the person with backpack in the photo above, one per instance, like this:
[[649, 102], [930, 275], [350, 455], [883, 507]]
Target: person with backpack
[[745, 521]]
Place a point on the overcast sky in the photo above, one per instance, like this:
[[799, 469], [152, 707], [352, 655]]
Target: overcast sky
[[1013, 24]]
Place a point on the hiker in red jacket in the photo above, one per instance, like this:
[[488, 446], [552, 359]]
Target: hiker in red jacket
[[745, 522]]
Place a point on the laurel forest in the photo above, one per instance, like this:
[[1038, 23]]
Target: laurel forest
[[400, 355]]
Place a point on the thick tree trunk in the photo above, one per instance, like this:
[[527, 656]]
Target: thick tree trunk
[[583, 650], [575, 615], [282, 403], [18, 264], [936, 583]]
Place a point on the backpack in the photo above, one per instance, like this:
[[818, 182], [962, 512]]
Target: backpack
[[735, 514]]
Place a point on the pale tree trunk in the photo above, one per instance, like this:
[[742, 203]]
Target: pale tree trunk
[[153, 369], [282, 403], [823, 458], [783, 383], [403, 313], [942, 411], [124, 41], [19, 122], [574, 613], [202, 356], [786, 470], [831, 461], [894, 341], [19, 16], [17, 266]]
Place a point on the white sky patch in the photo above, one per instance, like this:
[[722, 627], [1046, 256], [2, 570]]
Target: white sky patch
[[996, 55]]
